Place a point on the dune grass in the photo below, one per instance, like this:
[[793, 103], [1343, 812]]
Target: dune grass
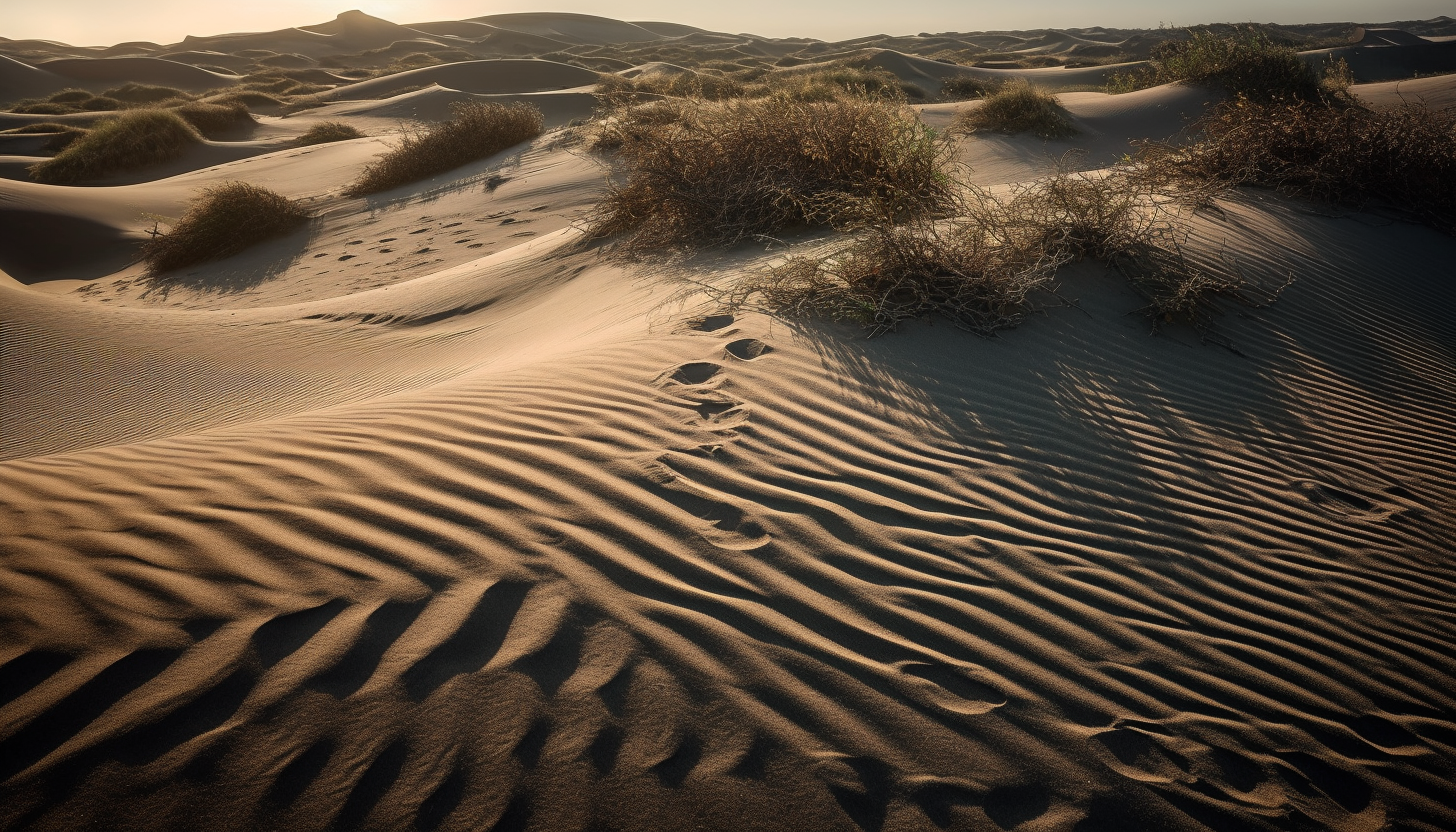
[[134, 93], [475, 131], [822, 83], [132, 140], [966, 88], [327, 131], [213, 118], [1017, 106], [222, 221], [705, 173], [64, 134], [1246, 61]]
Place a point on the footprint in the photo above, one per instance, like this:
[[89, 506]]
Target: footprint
[[524, 234], [1340, 501], [475, 245], [710, 323], [747, 349], [450, 225], [386, 251], [953, 689], [695, 372], [354, 243], [321, 254], [420, 231], [347, 257], [388, 239], [458, 242]]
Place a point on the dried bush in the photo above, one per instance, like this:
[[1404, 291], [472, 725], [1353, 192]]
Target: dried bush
[[133, 93], [132, 140], [1019, 107], [1244, 62], [64, 134], [965, 271], [476, 130], [966, 88], [44, 108], [717, 173], [71, 96], [222, 221], [1403, 157], [100, 104], [327, 131], [212, 118]]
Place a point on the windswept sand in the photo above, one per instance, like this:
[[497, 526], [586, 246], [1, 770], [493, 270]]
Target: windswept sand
[[432, 517]]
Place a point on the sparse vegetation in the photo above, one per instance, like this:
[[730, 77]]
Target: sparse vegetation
[[709, 173], [965, 88], [327, 131], [222, 221], [63, 134], [144, 94], [820, 83], [1403, 158], [1246, 61], [476, 130], [131, 140], [1019, 107], [213, 118]]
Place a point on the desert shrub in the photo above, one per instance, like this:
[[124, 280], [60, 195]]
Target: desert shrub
[[1019, 107], [143, 93], [70, 97], [44, 108], [1244, 62], [965, 88], [706, 173], [247, 98], [101, 104], [1403, 157], [963, 271], [222, 221], [475, 131], [327, 131], [64, 134], [132, 140], [212, 117], [982, 269], [1336, 80]]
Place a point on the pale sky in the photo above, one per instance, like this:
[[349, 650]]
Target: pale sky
[[104, 22]]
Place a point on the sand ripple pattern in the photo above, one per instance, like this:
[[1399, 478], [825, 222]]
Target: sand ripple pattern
[[736, 578]]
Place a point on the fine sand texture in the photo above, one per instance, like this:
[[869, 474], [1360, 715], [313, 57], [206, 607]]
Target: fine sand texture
[[436, 515]]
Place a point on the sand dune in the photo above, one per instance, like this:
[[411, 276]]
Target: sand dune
[[433, 515], [499, 76], [139, 70]]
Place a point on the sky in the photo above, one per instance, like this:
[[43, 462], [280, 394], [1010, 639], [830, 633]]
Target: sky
[[105, 22]]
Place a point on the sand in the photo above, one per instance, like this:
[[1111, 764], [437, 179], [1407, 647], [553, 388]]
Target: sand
[[431, 516]]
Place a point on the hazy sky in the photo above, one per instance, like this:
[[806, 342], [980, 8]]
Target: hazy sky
[[104, 22]]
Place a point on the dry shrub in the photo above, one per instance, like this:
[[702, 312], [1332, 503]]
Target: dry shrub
[[966, 88], [132, 140], [716, 173], [212, 118], [1019, 107], [476, 131], [101, 104], [44, 108], [222, 221], [245, 97], [71, 96], [1245, 62], [133, 93], [327, 131], [970, 273], [982, 270], [64, 134], [1403, 157]]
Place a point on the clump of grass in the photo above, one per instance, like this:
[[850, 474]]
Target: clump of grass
[[475, 131], [222, 221], [327, 131], [701, 173], [983, 269], [101, 104], [1019, 107], [44, 108], [1403, 157], [133, 93], [64, 134], [211, 118], [966, 88], [964, 271], [1244, 62], [132, 140], [71, 96]]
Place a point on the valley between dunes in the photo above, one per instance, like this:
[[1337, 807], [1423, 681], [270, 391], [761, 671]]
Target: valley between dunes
[[436, 515]]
